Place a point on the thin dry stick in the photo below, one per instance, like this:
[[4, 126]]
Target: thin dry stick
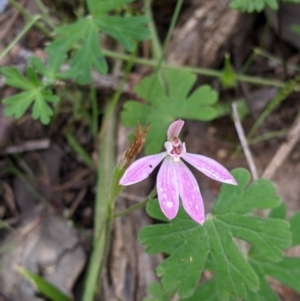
[[243, 140], [30, 145], [292, 137]]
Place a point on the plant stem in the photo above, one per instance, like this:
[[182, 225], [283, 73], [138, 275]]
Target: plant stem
[[19, 36], [169, 33], [137, 206], [108, 189], [269, 56], [23, 11], [157, 51], [46, 17], [202, 71], [289, 87], [94, 106], [104, 173]]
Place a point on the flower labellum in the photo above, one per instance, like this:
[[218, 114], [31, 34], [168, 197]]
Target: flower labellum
[[174, 179]]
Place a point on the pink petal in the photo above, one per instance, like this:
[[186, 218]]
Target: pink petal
[[189, 192], [141, 169], [175, 129], [210, 168], [167, 188]]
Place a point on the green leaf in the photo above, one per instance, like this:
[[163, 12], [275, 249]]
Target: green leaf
[[192, 248], [251, 6], [166, 97], [50, 71], [296, 29], [85, 35], [157, 293], [87, 56], [43, 286], [125, 30], [287, 270], [89, 52], [278, 212], [206, 292], [264, 292], [35, 93], [97, 7], [295, 228], [14, 78]]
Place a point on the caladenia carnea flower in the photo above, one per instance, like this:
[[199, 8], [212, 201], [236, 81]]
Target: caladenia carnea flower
[[174, 179]]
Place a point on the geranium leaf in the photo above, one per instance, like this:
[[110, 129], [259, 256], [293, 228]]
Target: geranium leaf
[[85, 35], [193, 248], [34, 93], [168, 96]]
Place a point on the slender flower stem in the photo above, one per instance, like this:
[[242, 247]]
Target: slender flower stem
[[108, 189], [19, 36], [137, 206], [202, 71]]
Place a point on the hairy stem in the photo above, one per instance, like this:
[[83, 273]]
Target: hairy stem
[[202, 71]]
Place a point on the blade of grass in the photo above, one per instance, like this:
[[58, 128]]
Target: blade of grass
[[19, 36], [44, 286], [289, 87], [79, 150]]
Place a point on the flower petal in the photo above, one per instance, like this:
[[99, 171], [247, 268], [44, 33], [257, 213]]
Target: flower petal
[[190, 193], [210, 168], [141, 169], [175, 129], [167, 188]]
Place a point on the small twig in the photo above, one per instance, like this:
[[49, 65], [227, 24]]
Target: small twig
[[292, 137], [9, 24], [243, 140], [77, 201], [27, 146]]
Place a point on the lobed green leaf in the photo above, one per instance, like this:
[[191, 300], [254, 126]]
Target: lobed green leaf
[[251, 6], [166, 97], [101, 7], [35, 93], [82, 38], [126, 30], [158, 293], [193, 248], [14, 78]]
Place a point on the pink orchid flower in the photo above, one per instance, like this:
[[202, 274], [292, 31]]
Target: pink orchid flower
[[174, 179]]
